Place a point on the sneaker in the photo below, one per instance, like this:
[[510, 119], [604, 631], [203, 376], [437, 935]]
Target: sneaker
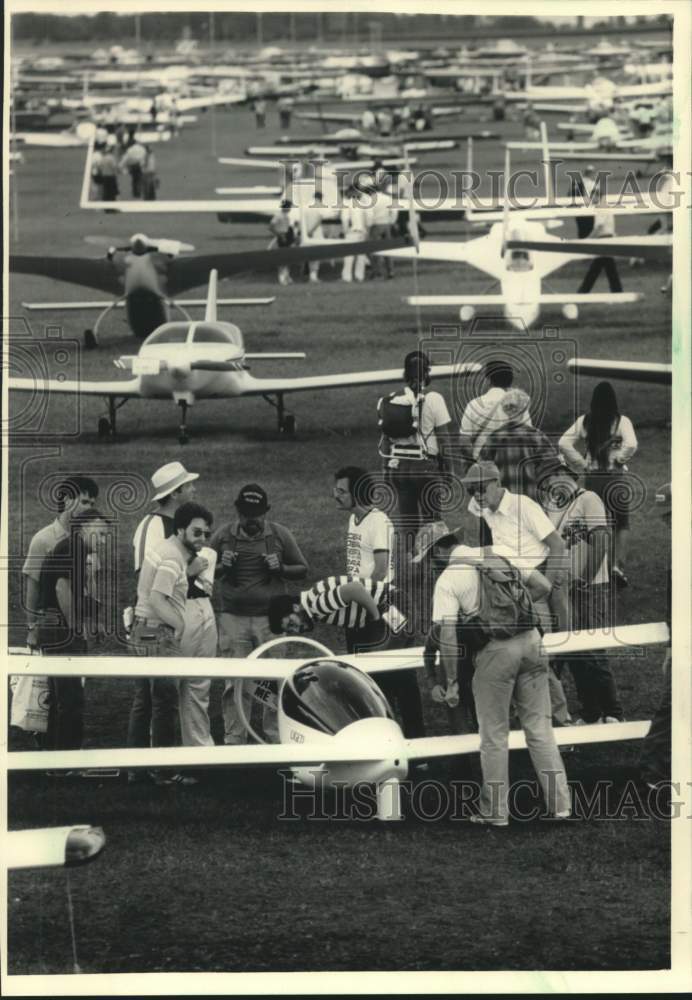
[[487, 820], [621, 580], [563, 814], [610, 718]]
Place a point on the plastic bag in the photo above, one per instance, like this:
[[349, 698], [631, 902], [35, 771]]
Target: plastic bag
[[30, 703]]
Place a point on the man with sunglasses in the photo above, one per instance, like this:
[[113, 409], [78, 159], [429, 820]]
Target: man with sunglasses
[[160, 621], [520, 525]]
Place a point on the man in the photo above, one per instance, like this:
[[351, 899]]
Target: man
[[133, 161], [506, 670], [260, 109], [255, 558], [74, 495], [285, 107], [369, 541], [581, 191], [604, 226], [162, 590], [108, 169], [312, 228], [580, 518], [64, 605], [282, 228], [519, 525], [415, 461], [383, 218], [369, 550], [483, 415], [655, 756], [518, 448], [173, 486], [355, 223], [336, 600]]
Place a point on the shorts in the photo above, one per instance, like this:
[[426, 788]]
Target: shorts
[[616, 491]]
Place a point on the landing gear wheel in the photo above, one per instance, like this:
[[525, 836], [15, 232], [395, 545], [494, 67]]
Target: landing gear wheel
[[288, 425], [89, 340], [183, 437], [104, 428]]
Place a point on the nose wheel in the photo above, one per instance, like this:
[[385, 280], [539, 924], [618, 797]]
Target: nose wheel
[[286, 421], [183, 436], [106, 425]]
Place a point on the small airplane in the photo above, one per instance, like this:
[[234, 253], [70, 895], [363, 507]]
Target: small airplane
[[53, 847], [196, 360], [658, 248], [147, 275], [335, 725]]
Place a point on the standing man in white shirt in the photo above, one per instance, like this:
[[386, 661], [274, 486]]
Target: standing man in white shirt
[[484, 414], [355, 224], [603, 227], [369, 542], [520, 525]]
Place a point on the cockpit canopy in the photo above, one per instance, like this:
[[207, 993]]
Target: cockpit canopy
[[329, 695], [202, 333]]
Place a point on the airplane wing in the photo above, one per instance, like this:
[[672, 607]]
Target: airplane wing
[[58, 846], [101, 274], [658, 248], [632, 371], [125, 389], [449, 746], [259, 387], [328, 116], [640, 206], [480, 253], [189, 272]]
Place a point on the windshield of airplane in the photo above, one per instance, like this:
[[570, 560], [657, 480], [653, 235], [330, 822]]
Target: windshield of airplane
[[169, 333], [208, 334], [329, 695], [520, 261]]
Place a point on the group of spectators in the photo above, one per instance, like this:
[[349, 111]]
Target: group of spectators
[[117, 152], [370, 212], [206, 589]]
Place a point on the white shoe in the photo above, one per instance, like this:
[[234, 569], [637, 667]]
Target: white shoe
[[610, 718], [487, 820]]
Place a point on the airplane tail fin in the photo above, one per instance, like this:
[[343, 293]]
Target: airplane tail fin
[[547, 173], [505, 207], [469, 155], [210, 311], [412, 213]]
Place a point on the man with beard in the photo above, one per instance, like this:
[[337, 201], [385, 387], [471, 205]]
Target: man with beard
[[255, 557]]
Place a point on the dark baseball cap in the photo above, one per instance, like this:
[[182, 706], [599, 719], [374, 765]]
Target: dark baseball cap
[[252, 499]]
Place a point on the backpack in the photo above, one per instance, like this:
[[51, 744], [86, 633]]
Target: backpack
[[506, 608]]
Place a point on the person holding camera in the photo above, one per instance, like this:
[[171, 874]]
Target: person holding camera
[[255, 556]]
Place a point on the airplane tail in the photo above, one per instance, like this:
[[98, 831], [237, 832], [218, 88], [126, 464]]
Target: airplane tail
[[210, 311], [547, 174], [413, 229], [505, 207]]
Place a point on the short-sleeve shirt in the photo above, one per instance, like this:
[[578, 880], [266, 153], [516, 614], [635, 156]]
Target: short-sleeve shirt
[[574, 524], [67, 561], [163, 571], [152, 530], [457, 590], [323, 601], [520, 525], [42, 545], [373, 533], [433, 415]]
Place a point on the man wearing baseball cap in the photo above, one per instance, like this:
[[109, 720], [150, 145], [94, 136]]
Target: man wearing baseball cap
[[580, 518], [255, 558]]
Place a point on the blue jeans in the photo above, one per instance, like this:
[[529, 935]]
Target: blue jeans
[[592, 675], [155, 704]]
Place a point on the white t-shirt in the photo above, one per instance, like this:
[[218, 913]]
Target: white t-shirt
[[573, 524], [433, 415], [373, 533], [483, 415], [623, 447], [458, 588], [520, 525]]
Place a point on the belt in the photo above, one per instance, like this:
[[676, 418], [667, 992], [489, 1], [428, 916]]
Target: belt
[[150, 624]]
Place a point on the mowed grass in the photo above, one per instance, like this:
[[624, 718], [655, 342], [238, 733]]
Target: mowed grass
[[209, 878]]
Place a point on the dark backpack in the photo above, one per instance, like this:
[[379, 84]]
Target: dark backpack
[[398, 420], [506, 608]]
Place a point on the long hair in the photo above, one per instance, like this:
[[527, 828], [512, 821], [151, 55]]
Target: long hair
[[600, 422]]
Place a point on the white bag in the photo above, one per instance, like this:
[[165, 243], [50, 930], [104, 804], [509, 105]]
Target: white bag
[[30, 701]]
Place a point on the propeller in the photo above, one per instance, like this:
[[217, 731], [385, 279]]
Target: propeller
[[139, 243]]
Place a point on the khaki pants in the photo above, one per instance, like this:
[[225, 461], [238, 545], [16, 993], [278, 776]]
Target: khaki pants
[[238, 636], [506, 670], [199, 639]]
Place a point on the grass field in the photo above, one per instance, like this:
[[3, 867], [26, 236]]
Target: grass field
[[209, 879]]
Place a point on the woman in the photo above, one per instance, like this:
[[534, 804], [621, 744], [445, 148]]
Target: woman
[[608, 441]]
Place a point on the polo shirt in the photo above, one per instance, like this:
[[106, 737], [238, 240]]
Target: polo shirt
[[41, 545], [520, 525], [163, 571]]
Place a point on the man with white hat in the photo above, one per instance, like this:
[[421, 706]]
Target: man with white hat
[[173, 485]]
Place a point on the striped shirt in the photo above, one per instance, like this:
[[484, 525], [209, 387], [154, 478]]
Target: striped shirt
[[164, 570], [323, 601]]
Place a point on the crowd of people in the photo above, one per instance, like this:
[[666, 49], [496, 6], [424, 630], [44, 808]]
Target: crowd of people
[[542, 533], [119, 151]]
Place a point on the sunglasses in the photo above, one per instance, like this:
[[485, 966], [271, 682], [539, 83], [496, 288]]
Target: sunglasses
[[200, 533]]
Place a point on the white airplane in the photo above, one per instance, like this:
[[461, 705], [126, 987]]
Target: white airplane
[[52, 847], [196, 360], [334, 723], [600, 95]]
